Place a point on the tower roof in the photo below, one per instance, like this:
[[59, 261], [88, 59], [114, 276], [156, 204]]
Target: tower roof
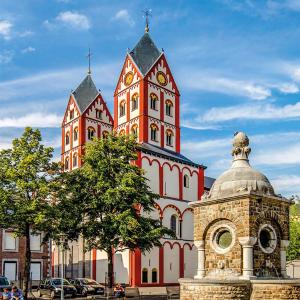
[[85, 93], [145, 53]]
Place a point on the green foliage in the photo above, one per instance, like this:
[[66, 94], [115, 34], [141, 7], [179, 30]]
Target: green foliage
[[108, 196], [26, 185], [294, 246]]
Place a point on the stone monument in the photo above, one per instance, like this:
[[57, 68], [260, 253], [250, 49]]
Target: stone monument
[[241, 231]]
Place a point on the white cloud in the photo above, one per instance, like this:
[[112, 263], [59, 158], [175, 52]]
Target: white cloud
[[6, 57], [38, 119], [288, 88], [211, 83], [71, 19], [124, 16], [250, 112], [5, 29], [287, 184], [28, 49], [26, 33]]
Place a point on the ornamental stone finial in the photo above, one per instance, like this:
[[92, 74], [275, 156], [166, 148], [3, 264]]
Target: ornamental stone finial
[[241, 149]]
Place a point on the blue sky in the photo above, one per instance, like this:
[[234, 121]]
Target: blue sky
[[237, 65]]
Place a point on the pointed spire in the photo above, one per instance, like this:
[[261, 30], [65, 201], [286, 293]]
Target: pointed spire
[[147, 14], [89, 58]]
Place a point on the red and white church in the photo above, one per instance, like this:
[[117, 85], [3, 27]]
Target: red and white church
[[147, 103]]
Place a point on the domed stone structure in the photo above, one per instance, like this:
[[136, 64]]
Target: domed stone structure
[[241, 176], [241, 231]]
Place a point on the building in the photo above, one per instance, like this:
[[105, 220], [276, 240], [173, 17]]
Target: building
[[146, 103], [12, 257], [242, 234]]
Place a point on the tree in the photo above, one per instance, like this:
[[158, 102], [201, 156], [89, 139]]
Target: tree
[[111, 191], [26, 185], [294, 246]]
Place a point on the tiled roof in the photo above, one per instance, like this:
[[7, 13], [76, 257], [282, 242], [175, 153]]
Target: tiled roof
[[145, 53], [85, 93], [208, 182]]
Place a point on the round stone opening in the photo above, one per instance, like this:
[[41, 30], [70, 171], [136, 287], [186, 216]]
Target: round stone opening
[[224, 239], [267, 239]]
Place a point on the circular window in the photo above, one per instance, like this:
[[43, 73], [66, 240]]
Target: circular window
[[267, 239], [222, 238]]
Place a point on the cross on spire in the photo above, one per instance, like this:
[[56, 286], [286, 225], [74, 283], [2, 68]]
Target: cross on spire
[[89, 58], [147, 13]]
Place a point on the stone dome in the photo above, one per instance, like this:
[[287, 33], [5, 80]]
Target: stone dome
[[241, 177]]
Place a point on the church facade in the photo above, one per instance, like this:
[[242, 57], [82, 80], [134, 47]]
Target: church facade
[[147, 104]]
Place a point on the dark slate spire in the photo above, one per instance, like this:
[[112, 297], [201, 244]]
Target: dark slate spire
[[85, 93], [145, 53]]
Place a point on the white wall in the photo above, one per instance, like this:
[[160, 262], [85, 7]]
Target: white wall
[[171, 181], [152, 173], [171, 263], [190, 262], [121, 266], [188, 225], [101, 266], [150, 260]]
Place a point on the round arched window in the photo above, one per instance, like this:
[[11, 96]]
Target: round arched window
[[267, 239]]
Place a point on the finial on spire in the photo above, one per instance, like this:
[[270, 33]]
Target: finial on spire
[[241, 149], [147, 14], [89, 58]]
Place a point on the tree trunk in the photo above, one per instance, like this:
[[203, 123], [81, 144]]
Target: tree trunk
[[27, 262], [110, 268]]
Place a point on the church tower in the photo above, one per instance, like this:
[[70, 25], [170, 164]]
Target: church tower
[[86, 117], [146, 99]]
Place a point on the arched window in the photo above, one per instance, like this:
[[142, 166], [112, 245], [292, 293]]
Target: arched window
[[122, 108], [67, 163], [122, 132], [169, 137], [99, 114], [186, 181], [67, 138], [75, 133], [134, 101], [154, 275], [169, 108], [91, 133], [145, 275], [134, 130], [153, 101], [105, 134], [154, 130], [173, 223], [75, 160]]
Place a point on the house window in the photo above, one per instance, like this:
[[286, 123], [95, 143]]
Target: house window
[[75, 133], [154, 275], [169, 108], [67, 163], [154, 130], [105, 134], [145, 275], [10, 269], [134, 130], [134, 102], [75, 160], [91, 133], [169, 137], [153, 101], [98, 114], [67, 138], [71, 114], [36, 242], [36, 270], [10, 241], [122, 108], [173, 223], [186, 181]]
